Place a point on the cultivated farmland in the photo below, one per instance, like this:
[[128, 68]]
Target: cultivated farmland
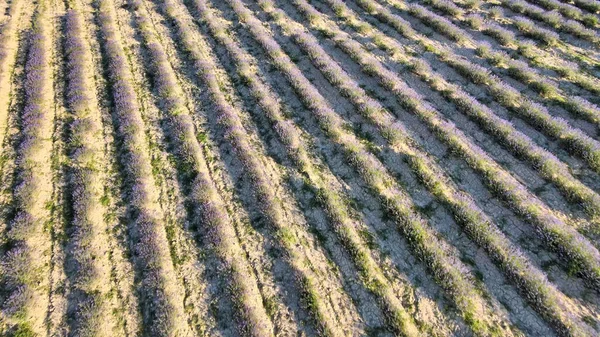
[[299, 168]]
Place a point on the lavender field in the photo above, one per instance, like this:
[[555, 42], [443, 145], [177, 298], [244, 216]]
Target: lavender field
[[299, 168]]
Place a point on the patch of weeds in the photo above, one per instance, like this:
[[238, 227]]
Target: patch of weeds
[[105, 200], [287, 237], [202, 137], [368, 238], [591, 321], [270, 305], [23, 330]]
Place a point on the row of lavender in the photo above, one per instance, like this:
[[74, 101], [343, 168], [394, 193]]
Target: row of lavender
[[8, 51], [88, 252], [519, 70], [202, 193], [269, 204], [494, 27], [501, 90], [466, 212], [491, 236], [505, 133], [26, 262], [163, 305], [378, 179], [548, 90], [499, 180], [158, 294], [556, 128], [331, 200]]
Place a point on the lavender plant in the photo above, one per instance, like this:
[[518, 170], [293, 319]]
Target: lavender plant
[[579, 30], [589, 5], [496, 12], [440, 23], [529, 28], [475, 21], [446, 6], [504, 36], [472, 4], [565, 9]]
